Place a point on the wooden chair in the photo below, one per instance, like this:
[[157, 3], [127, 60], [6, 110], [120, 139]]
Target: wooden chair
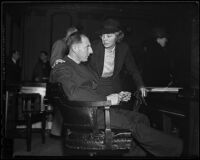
[[27, 113], [80, 128]]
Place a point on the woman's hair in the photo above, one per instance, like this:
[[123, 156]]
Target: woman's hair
[[120, 36]]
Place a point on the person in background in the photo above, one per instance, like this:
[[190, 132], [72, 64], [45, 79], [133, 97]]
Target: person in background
[[59, 51], [59, 48], [157, 65], [157, 68], [80, 84], [42, 68], [13, 68]]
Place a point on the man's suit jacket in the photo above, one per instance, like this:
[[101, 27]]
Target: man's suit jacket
[[123, 57], [78, 82], [13, 72]]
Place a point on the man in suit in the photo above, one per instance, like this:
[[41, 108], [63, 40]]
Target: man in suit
[[80, 84], [157, 65], [110, 56], [42, 68], [58, 52], [13, 69]]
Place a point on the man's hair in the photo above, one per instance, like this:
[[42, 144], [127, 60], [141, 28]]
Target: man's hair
[[74, 38], [12, 52], [42, 51]]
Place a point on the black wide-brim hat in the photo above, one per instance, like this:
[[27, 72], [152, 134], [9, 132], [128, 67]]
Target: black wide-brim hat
[[160, 32], [109, 26]]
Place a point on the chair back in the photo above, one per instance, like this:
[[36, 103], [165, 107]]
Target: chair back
[[75, 115], [80, 124]]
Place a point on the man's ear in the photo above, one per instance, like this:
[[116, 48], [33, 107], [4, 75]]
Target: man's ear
[[75, 48]]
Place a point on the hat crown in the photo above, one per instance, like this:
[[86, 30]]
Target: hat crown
[[111, 23], [109, 26], [160, 32]]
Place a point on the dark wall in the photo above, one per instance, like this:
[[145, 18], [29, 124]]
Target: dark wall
[[31, 27], [34, 27]]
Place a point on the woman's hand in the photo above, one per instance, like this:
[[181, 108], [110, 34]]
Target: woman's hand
[[125, 96], [143, 92], [58, 61]]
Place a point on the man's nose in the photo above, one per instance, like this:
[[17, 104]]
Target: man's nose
[[90, 51]]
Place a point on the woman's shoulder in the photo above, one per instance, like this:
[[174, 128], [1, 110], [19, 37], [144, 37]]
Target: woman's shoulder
[[123, 47], [123, 44]]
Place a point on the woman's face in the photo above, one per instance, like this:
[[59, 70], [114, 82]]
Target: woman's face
[[109, 40]]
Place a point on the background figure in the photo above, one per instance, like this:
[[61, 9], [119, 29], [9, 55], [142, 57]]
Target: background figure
[[59, 48], [42, 68], [110, 56], [13, 68], [59, 51], [158, 71], [157, 65]]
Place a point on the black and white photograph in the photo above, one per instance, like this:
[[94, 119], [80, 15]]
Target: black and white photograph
[[99, 79]]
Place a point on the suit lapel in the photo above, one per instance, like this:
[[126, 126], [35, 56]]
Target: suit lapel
[[117, 60], [100, 58]]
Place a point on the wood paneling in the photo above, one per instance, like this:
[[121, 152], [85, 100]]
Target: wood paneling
[[194, 105]]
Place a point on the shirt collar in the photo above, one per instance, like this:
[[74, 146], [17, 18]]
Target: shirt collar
[[111, 50], [14, 60], [73, 59]]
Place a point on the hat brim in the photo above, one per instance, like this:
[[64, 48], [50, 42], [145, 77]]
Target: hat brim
[[107, 31]]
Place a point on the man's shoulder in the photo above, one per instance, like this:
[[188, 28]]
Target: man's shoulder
[[59, 42]]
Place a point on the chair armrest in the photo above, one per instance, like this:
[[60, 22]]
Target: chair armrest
[[88, 103]]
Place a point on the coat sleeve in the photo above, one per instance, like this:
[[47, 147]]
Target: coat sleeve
[[132, 68], [72, 90], [59, 49]]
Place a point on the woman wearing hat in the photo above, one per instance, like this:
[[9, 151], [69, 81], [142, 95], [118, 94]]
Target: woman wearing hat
[[110, 54], [108, 58]]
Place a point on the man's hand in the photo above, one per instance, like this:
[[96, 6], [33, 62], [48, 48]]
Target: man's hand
[[114, 98]]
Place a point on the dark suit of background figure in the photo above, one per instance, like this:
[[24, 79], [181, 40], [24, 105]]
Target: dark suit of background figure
[[157, 64], [59, 50], [123, 59], [80, 84], [42, 71], [13, 72]]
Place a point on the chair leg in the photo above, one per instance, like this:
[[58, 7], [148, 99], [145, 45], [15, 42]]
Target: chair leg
[[43, 129], [29, 133]]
